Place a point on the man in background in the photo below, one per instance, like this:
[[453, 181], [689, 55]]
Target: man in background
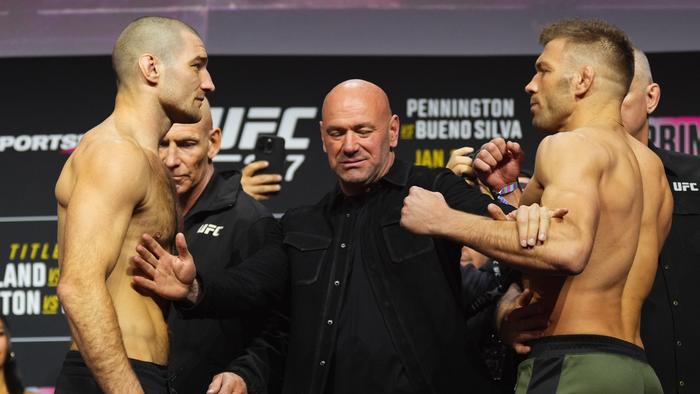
[[223, 226], [670, 328]]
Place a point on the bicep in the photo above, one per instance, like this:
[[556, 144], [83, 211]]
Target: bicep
[[97, 219], [582, 203], [573, 184]]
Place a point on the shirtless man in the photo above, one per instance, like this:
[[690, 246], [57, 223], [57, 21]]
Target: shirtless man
[[112, 189], [598, 262]]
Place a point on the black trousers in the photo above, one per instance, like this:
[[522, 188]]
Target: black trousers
[[75, 377]]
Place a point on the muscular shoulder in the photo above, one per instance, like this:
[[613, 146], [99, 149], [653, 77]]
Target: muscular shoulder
[[112, 164], [569, 151], [571, 142], [110, 152]]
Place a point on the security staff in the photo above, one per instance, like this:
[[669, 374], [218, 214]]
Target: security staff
[[670, 326], [223, 226]]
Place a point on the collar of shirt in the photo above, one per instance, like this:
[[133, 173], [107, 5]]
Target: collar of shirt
[[396, 176]]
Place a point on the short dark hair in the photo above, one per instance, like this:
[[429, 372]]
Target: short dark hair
[[605, 39], [157, 34]]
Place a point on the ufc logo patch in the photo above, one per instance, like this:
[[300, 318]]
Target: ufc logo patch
[[210, 229]]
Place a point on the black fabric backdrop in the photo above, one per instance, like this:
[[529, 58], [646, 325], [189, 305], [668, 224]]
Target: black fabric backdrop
[[48, 102]]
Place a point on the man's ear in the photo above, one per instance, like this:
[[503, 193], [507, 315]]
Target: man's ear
[[653, 95], [394, 126], [320, 127], [150, 66], [583, 80], [214, 142]]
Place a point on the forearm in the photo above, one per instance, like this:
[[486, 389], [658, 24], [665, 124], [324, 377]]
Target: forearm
[[258, 282], [95, 328], [560, 254]]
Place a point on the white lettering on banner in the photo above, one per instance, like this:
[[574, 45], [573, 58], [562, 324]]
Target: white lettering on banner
[[685, 186], [250, 129], [288, 125], [229, 133], [461, 119], [39, 142], [466, 129], [24, 275], [297, 161], [20, 302], [460, 108], [262, 120]]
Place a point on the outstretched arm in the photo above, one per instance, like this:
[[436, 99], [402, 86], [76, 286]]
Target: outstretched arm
[[258, 282], [95, 223], [567, 182]]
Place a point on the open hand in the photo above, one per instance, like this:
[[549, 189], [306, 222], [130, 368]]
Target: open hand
[[164, 274], [533, 221], [518, 321]]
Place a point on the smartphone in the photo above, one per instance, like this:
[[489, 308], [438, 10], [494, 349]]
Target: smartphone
[[271, 149]]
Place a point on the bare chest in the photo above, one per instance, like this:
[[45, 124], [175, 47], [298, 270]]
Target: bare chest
[[159, 214]]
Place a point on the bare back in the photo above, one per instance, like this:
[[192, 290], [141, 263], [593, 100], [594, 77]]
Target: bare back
[[656, 223], [109, 193], [596, 174]]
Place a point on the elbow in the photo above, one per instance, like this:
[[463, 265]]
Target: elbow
[[573, 261], [68, 292]]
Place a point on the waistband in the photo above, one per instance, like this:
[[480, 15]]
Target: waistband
[[74, 360], [561, 345]]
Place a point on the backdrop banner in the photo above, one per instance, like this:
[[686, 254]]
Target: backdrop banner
[[443, 103]]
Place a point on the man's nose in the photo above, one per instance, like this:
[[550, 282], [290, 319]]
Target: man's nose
[[170, 157], [531, 87], [207, 83], [350, 142]]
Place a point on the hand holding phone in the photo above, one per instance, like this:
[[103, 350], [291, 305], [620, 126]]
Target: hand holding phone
[[271, 149]]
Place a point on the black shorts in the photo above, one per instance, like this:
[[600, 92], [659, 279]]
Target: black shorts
[[75, 377]]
